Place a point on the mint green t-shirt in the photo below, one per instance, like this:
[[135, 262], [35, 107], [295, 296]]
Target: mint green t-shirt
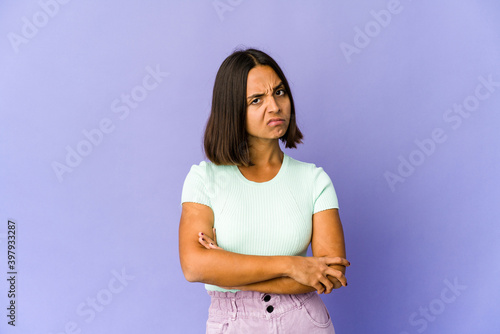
[[261, 218]]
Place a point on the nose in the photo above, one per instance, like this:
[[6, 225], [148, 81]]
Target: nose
[[272, 106]]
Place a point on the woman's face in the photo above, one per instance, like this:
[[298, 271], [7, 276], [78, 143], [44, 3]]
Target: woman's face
[[268, 104]]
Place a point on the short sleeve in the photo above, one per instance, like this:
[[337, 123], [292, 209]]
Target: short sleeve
[[325, 196], [194, 188]]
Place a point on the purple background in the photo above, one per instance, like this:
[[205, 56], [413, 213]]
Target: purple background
[[361, 112]]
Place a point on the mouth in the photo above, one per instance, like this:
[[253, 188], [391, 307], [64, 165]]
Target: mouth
[[276, 121]]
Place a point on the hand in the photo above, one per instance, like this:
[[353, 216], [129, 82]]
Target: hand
[[207, 242], [314, 272], [336, 283], [310, 271]]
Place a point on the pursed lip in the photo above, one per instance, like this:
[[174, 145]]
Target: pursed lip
[[275, 119]]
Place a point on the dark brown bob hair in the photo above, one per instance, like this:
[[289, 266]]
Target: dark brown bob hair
[[225, 139]]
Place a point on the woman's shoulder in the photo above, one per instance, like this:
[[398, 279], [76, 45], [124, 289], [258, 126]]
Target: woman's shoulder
[[205, 168], [309, 171], [303, 165], [207, 164]]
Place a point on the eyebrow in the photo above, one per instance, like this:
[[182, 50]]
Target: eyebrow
[[262, 94]]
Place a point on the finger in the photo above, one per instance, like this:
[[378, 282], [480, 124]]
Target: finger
[[327, 284], [336, 283], [207, 242], [337, 260], [203, 242], [206, 237], [319, 288], [214, 246], [213, 243], [337, 274]]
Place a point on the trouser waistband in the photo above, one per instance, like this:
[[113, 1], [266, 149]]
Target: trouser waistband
[[253, 303]]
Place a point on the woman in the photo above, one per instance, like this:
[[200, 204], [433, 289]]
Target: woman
[[265, 207]]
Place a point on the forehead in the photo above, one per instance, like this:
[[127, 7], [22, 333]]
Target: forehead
[[261, 79]]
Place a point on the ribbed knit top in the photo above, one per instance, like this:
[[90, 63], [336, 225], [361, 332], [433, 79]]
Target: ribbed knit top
[[261, 218]]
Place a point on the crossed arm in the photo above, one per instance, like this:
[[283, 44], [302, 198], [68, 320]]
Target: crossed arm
[[202, 262]]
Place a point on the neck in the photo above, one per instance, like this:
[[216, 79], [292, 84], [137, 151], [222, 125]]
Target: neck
[[265, 152]]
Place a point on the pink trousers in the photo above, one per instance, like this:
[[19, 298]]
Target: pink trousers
[[255, 312]]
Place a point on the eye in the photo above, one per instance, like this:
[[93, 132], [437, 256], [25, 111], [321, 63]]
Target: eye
[[281, 92], [255, 101]]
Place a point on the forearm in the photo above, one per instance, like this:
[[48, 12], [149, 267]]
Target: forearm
[[223, 268], [207, 263], [282, 285], [287, 285]]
